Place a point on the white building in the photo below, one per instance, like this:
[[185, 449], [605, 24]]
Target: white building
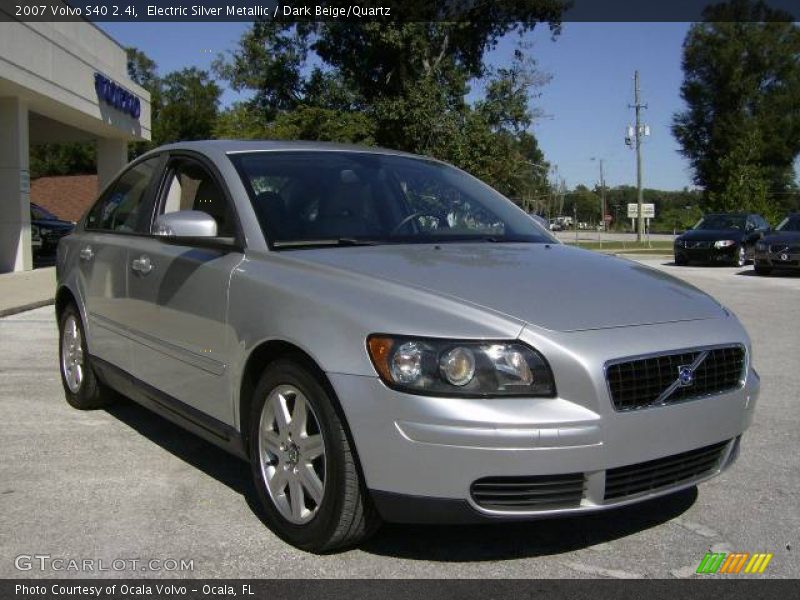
[[59, 82]]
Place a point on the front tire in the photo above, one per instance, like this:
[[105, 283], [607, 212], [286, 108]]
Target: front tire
[[681, 260], [761, 270], [82, 389], [303, 464]]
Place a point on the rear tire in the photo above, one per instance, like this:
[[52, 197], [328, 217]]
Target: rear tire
[[304, 467], [82, 389]]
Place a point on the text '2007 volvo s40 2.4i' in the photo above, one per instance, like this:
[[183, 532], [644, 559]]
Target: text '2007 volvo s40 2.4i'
[[384, 337]]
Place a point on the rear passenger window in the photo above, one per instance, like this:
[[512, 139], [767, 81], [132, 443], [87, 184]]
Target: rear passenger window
[[191, 187], [121, 207]]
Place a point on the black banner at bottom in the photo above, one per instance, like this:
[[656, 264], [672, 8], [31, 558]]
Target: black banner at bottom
[[338, 589]]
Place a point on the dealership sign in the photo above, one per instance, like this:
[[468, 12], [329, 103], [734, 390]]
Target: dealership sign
[[115, 95]]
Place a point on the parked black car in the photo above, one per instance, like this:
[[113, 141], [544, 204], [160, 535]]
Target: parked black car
[[728, 238], [47, 229], [781, 248]]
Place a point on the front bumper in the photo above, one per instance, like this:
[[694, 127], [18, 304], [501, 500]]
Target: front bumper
[[783, 259], [421, 455], [712, 255]]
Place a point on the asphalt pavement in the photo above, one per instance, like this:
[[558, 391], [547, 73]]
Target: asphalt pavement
[[124, 484]]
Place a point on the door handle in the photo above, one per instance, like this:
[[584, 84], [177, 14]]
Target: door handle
[[142, 264], [86, 253]]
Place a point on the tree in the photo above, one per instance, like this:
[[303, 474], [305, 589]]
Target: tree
[[402, 85], [184, 104], [187, 107], [76, 158], [741, 128]]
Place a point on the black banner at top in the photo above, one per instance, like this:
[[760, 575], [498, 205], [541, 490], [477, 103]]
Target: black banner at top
[[370, 10]]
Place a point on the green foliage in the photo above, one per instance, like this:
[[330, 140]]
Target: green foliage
[[187, 107], [62, 159], [741, 128], [399, 85]]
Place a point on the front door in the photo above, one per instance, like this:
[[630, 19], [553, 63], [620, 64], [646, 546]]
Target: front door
[[179, 296]]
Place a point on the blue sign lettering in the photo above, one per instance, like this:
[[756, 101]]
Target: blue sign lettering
[[114, 95]]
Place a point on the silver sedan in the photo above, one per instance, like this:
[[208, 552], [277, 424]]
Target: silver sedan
[[384, 337]]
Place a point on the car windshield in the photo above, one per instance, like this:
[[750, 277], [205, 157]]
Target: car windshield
[[722, 222], [791, 223], [40, 214], [310, 198]]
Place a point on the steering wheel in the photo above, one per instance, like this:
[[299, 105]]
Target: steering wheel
[[413, 216]]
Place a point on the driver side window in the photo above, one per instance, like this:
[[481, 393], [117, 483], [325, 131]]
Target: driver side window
[[190, 186]]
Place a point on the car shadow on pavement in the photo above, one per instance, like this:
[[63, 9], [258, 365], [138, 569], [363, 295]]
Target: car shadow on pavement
[[503, 541], [197, 452], [445, 543]]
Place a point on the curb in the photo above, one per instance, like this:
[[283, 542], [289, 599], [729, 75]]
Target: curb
[[7, 312]]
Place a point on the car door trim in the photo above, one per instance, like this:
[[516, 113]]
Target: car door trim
[[180, 353]]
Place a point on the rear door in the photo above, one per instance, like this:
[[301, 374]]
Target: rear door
[[182, 344], [119, 216]]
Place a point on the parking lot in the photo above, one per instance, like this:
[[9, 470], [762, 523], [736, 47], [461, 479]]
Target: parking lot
[[126, 484]]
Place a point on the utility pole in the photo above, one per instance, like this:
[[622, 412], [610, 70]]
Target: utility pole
[[638, 133]]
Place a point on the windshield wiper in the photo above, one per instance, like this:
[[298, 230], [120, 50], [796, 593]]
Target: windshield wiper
[[343, 241]]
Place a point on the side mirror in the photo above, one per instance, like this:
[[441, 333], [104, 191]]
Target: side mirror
[[185, 224], [193, 228]]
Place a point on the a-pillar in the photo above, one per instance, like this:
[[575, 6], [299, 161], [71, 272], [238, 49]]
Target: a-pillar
[[15, 211], [112, 155]]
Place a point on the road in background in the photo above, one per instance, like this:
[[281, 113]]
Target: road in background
[[585, 235], [125, 483]]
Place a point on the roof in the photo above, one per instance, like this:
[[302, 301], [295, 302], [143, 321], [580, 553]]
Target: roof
[[67, 197], [233, 146]]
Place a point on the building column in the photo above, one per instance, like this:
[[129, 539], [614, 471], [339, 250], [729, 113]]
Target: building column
[[15, 210], [112, 155]]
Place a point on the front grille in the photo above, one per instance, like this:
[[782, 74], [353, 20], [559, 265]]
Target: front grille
[[639, 383], [663, 472], [781, 248], [538, 492], [698, 245]]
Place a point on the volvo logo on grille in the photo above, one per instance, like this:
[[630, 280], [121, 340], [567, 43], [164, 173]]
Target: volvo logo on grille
[[685, 375], [685, 378]]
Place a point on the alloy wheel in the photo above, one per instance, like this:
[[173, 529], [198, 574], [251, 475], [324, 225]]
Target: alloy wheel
[[72, 365], [292, 454]]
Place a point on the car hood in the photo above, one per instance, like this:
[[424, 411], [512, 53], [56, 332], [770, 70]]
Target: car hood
[[780, 237], [712, 235], [554, 286]]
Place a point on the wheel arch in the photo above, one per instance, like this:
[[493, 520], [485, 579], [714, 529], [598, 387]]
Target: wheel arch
[[65, 297], [259, 359]]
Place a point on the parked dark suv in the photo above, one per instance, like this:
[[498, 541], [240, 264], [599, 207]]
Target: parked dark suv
[[727, 238], [780, 250], [46, 230]]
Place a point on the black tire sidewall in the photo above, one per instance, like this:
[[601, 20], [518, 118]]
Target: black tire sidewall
[[314, 534], [85, 396]]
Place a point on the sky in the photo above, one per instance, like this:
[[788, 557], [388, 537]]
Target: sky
[[585, 104]]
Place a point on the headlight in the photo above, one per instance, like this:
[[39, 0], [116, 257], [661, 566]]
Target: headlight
[[460, 368], [44, 230], [679, 243], [724, 244], [35, 234]]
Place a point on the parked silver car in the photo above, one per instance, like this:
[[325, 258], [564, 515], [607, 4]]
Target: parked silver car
[[383, 336]]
